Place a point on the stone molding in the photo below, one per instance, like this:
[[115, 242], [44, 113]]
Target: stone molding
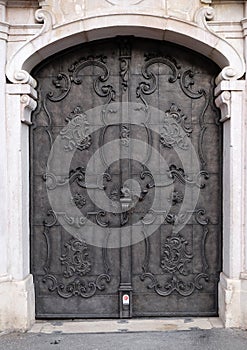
[[224, 93], [4, 31], [22, 3], [199, 37], [28, 97], [229, 301], [17, 305]]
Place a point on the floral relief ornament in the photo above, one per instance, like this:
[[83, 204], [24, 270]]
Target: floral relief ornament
[[175, 131], [76, 133], [79, 200]]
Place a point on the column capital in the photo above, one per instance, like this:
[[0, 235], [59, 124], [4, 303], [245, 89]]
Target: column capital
[[21, 89], [230, 85], [27, 96]]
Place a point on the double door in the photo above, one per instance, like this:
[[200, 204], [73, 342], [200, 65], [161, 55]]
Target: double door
[[125, 182]]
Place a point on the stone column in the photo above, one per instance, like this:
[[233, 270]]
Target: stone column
[[17, 293], [230, 99]]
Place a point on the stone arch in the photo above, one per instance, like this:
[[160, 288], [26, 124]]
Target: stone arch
[[196, 36]]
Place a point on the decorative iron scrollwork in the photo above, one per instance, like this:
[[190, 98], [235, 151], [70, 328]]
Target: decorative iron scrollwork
[[77, 287], [187, 83], [76, 259], [174, 284], [176, 260], [64, 81], [125, 135], [63, 85], [124, 58], [147, 88], [101, 58], [75, 221], [77, 263], [79, 221], [175, 255], [179, 174], [177, 270], [99, 87], [77, 175]]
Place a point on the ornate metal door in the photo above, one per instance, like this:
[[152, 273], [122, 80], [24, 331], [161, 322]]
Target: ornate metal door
[[126, 182]]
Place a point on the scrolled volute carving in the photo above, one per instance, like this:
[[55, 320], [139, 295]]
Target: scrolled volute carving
[[204, 14], [223, 101], [228, 73], [23, 77], [28, 105], [46, 17], [28, 102]]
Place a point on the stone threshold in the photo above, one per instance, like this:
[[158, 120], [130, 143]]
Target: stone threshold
[[125, 325]]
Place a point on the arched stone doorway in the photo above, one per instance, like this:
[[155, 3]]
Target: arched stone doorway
[[21, 100], [173, 269]]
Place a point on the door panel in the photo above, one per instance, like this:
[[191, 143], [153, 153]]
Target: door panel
[[143, 111]]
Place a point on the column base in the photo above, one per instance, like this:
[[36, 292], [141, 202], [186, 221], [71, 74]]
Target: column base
[[17, 304], [233, 301]]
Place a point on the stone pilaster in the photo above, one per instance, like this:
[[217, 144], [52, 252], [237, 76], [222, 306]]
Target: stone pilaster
[[3, 140], [230, 99], [16, 290]]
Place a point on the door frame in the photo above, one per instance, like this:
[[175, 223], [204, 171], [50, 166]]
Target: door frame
[[21, 101]]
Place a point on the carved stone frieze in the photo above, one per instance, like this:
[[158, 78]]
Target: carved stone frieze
[[69, 10], [65, 11], [183, 9]]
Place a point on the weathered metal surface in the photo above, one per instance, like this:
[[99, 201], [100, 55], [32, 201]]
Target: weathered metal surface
[[174, 270]]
